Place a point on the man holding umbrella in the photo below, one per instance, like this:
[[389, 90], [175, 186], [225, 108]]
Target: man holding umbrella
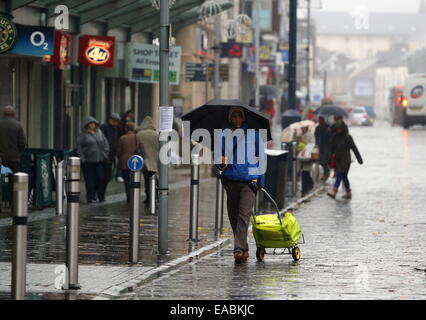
[[239, 154], [240, 185]]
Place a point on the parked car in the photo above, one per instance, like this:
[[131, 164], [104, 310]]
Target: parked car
[[360, 117]]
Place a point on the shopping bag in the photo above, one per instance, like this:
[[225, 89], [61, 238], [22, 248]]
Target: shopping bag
[[306, 153], [269, 233]]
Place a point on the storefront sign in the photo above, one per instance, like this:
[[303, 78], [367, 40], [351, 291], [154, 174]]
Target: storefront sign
[[34, 41], [231, 50], [144, 63], [245, 38], [8, 34], [284, 55], [96, 51], [265, 53], [62, 50]]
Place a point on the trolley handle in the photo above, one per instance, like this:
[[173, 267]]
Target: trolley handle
[[273, 201]]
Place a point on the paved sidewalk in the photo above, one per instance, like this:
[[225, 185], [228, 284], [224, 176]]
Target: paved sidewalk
[[104, 271]]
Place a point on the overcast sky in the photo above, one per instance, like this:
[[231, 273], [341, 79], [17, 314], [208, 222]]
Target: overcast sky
[[372, 5]]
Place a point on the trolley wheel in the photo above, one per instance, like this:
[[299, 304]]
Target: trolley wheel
[[260, 254], [295, 253]]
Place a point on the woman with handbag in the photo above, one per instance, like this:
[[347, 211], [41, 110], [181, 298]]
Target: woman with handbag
[[130, 144]]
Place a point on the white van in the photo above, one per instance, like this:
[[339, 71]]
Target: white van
[[415, 100]]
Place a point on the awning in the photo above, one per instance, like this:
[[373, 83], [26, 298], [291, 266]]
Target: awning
[[138, 15]]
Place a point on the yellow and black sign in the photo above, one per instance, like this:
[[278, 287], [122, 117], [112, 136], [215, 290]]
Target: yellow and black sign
[[8, 34]]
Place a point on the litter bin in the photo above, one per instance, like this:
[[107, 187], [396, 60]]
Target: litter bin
[[37, 163], [275, 179]]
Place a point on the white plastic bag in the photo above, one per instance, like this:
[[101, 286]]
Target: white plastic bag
[[306, 153]]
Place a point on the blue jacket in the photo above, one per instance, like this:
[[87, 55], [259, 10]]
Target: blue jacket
[[247, 170]]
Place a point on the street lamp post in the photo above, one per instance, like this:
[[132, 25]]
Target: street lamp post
[[163, 184], [257, 46], [308, 58], [291, 115]]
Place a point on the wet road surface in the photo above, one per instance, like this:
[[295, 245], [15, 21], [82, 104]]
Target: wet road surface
[[371, 247]]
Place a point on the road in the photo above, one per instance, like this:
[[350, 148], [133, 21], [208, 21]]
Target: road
[[371, 247]]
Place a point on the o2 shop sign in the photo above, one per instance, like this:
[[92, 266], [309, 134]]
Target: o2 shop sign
[[96, 51], [34, 41]]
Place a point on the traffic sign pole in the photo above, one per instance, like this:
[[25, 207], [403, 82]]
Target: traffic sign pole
[[135, 164]]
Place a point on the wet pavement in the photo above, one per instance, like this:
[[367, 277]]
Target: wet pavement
[[104, 238], [371, 247]]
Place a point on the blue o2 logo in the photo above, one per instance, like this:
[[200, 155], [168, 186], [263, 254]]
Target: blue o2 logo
[[38, 39]]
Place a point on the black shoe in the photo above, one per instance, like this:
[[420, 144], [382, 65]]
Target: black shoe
[[102, 200]]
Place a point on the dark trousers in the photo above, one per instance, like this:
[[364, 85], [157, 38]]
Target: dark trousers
[[307, 182], [107, 167], [94, 177], [125, 174], [324, 161], [240, 203], [342, 176], [147, 177]]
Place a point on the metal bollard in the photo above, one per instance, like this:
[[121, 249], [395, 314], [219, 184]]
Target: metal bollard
[[73, 223], [135, 186], [219, 202], [60, 189], [294, 168], [153, 190], [20, 214], [195, 183]]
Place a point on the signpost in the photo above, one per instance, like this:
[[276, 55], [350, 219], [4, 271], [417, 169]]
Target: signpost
[[135, 164], [195, 72], [199, 72]]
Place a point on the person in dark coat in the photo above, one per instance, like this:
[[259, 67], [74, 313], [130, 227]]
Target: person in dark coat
[[322, 140], [110, 131], [125, 117], [93, 150], [12, 139], [341, 145], [12, 143]]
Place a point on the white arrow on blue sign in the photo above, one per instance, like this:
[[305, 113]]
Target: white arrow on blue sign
[[135, 163]]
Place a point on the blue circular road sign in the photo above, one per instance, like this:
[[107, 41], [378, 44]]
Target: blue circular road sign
[[135, 163]]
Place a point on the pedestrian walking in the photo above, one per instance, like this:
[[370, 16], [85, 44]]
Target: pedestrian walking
[[124, 118], [93, 150], [129, 144], [341, 145], [12, 143], [307, 137], [110, 131], [240, 185], [149, 136], [323, 136]]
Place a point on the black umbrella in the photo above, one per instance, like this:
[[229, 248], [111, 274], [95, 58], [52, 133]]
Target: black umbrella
[[331, 110], [214, 115]]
